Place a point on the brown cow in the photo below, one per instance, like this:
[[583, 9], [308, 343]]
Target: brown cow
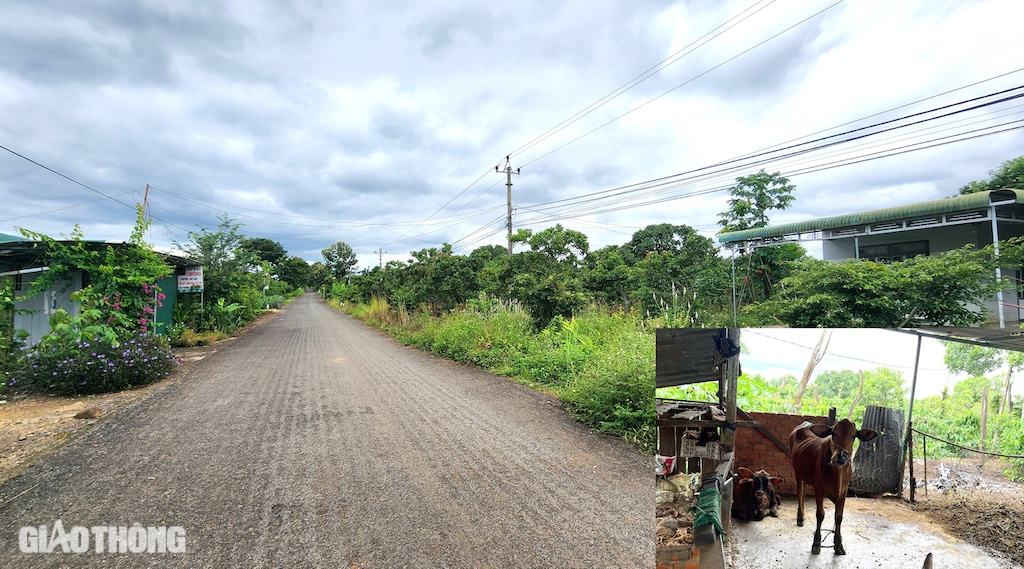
[[821, 458], [755, 495]]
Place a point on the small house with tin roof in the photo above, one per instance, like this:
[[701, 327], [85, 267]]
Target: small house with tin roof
[[898, 233], [24, 260]]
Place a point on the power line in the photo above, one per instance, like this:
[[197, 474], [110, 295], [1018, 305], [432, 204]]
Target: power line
[[615, 93], [645, 75], [752, 161], [855, 358], [688, 81]]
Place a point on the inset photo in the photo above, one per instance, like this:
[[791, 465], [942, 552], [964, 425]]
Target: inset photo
[[792, 447]]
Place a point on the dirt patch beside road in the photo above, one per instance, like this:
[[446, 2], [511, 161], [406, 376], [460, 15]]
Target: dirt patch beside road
[[34, 426]]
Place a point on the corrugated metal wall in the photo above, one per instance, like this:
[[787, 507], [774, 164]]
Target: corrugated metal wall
[[878, 464]]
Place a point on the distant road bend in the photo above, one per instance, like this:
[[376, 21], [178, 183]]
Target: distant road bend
[[313, 441]]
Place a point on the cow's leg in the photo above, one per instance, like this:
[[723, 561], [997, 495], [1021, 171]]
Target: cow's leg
[[799, 502], [839, 521], [819, 514]]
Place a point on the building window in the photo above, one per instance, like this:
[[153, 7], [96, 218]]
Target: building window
[[18, 283], [892, 252]]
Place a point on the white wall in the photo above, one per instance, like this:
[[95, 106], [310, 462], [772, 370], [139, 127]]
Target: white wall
[[37, 321]]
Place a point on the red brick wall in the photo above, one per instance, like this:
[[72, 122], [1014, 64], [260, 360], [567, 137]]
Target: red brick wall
[[755, 452]]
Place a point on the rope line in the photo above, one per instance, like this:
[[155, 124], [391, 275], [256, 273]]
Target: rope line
[[966, 448]]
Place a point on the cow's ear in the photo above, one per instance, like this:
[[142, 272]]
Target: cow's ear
[[745, 472], [866, 434], [821, 430], [775, 480]]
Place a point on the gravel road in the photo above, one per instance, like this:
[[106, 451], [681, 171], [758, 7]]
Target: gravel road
[[313, 441]]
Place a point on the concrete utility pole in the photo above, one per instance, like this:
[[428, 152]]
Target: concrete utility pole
[[145, 199], [508, 174]]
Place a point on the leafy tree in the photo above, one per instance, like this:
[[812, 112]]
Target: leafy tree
[[608, 276], [660, 238], [839, 385], [969, 391], [232, 293], [1010, 174], [971, 359], [441, 279], [980, 361], [339, 260], [883, 387], [295, 271], [547, 279], [753, 197], [318, 275], [264, 249]]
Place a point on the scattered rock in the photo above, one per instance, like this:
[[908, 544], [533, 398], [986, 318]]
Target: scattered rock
[[664, 532], [89, 413]]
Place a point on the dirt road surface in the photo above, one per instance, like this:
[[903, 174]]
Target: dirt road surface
[[315, 442]]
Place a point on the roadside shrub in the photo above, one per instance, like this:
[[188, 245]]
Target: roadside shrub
[[614, 392], [82, 367]]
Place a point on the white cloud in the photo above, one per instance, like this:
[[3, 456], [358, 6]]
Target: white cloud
[[351, 118]]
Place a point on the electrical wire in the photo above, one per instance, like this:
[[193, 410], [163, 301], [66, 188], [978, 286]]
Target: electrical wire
[[808, 348], [645, 75], [683, 84]]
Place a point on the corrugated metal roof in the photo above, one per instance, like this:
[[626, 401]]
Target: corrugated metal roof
[[998, 338], [8, 238], [689, 355], [947, 205]]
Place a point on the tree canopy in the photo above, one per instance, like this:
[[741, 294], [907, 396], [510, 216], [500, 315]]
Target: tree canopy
[[1009, 174], [339, 260]]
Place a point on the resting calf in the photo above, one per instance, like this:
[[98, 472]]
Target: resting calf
[[755, 495]]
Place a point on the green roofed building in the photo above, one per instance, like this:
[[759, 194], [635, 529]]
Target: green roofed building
[[898, 233]]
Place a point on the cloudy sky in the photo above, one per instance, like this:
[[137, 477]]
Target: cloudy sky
[[380, 123], [779, 352]]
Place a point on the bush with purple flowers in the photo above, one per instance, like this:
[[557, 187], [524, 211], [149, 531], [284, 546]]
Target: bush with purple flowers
[[94, 366]]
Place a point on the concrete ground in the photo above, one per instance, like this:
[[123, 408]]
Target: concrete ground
[[877, 533]]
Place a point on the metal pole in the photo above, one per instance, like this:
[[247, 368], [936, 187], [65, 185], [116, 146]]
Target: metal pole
[[913, 383], [735, 315], [999, 272], [910, 420]]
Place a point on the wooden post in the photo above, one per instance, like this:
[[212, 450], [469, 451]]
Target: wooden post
[[910, 450], [732, 374], [924, 449]]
